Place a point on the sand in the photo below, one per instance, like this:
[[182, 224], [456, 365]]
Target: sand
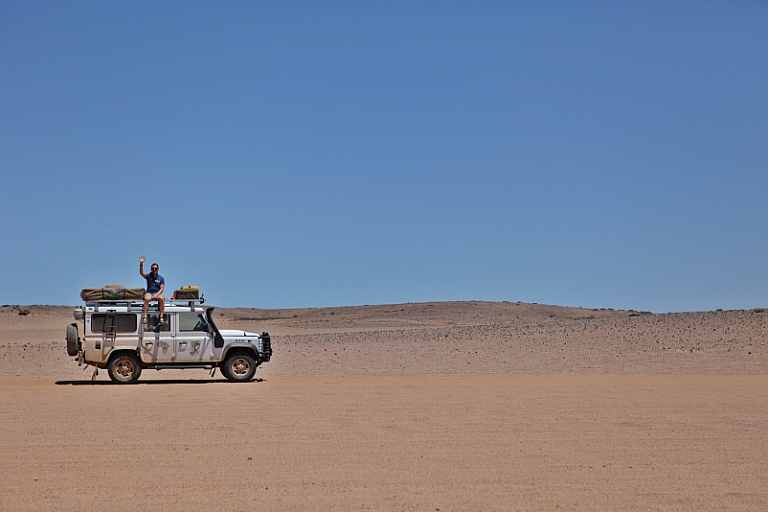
[[438, 406]]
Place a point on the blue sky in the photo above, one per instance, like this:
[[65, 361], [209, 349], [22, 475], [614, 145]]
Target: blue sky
[[305, 154]]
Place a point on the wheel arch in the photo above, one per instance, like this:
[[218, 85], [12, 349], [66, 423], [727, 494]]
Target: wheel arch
[[122, 350], [240, 347]]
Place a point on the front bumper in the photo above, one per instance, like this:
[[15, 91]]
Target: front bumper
[[265, 354]]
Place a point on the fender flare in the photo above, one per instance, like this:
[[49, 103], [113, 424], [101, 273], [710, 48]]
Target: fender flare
[[242, 347], [121, 350]]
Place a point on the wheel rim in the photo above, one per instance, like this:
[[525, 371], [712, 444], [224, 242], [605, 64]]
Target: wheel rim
[[125, 368], [240, 366]]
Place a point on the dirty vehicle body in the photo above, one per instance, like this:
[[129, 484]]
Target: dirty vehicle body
[[114, 337]]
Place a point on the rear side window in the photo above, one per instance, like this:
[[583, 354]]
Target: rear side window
[[192, 322], [125, 322], [154, 325]]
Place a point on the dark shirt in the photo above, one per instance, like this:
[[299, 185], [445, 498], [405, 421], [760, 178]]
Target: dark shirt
[[153, 283]]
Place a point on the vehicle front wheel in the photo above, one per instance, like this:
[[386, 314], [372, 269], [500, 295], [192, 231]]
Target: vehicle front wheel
[[239, 367], [124, 368], [223, 369]]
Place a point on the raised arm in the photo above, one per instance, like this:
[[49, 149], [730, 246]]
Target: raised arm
[[142, 259]]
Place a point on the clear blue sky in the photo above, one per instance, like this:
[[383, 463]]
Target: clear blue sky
[[301, 154]]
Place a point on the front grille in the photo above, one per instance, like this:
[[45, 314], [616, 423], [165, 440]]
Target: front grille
[[266, 347]]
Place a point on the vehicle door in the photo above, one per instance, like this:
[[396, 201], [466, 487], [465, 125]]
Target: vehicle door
[[109, 331], [194, 342], [157, 343]]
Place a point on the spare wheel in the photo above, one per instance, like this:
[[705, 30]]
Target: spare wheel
[[73, 340]]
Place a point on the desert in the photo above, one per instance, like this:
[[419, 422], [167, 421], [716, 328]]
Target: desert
[[427, 406], [510, 256]]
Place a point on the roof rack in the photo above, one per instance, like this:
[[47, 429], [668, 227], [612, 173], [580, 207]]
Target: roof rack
[[190, 302], [107, 302], [139, 303]]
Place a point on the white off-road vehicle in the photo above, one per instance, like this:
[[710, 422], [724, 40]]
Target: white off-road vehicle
[[114, 337]]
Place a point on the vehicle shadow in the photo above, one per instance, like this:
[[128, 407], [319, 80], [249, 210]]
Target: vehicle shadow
[[146, 382]]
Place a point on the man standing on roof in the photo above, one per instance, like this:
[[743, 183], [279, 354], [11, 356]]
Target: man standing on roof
[[155, 287]]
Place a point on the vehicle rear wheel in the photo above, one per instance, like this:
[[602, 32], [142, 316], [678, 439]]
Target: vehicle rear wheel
[[124, 368], [239, 367], [73, 340]]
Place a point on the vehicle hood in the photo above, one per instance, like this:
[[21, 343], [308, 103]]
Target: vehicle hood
[[231, 333]]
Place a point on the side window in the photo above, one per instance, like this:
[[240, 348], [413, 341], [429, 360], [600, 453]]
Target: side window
[[192, 322], [153, 323], [125, 322]]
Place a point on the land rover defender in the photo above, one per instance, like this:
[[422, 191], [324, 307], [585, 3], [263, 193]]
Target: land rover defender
[[115, 338]]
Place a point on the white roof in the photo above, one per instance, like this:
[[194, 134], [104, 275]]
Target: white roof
[[137, 307]]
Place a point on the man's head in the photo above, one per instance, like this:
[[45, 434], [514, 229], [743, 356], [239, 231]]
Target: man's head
[[155, 269]]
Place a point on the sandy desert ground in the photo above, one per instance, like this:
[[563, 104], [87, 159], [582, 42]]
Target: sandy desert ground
[[435, 406]]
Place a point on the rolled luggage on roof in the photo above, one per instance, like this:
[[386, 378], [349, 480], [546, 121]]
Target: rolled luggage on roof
[[187, 293], [112, 292]]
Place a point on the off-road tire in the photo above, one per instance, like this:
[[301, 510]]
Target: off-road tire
[[124, 368], [73, 340], [239, 367], [223, 370]]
